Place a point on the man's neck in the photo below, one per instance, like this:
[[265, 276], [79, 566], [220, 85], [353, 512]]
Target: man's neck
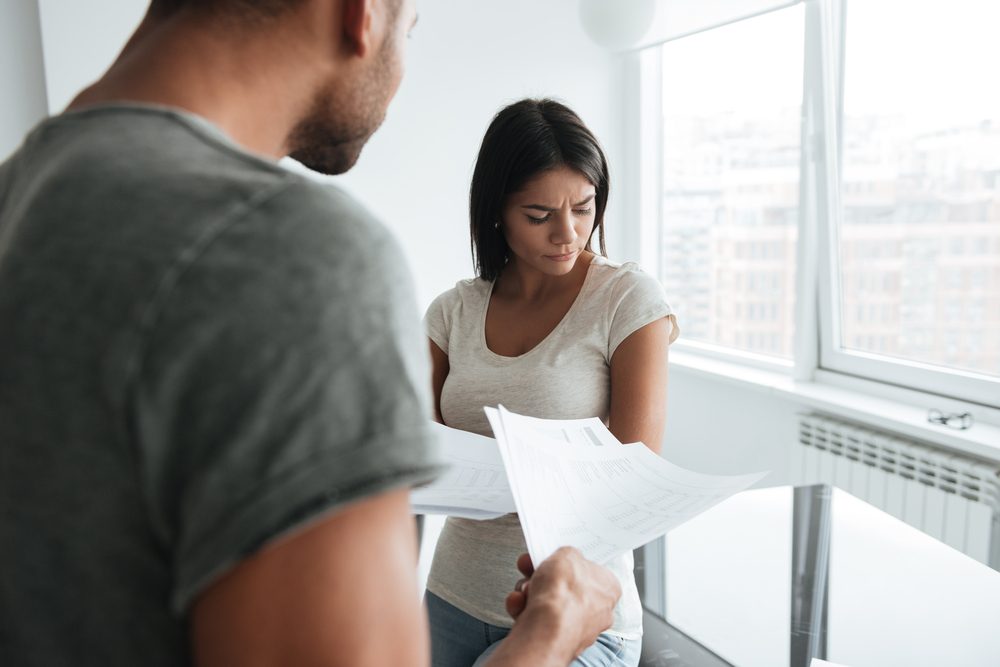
[[255, 90]]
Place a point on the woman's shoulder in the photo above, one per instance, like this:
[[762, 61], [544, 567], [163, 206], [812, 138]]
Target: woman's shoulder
[[617, 276], [633, 297], [455, 309], [464, 292]]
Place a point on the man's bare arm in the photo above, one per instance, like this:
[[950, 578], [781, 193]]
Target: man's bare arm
[[341, 592]]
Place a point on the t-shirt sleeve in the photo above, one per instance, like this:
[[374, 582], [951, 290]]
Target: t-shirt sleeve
[[637, 300], [437, 319], [284, 377]]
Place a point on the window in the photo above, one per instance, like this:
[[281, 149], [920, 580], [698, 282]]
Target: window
[[819, 187], [731, 101], [833, 117], [919, 209]]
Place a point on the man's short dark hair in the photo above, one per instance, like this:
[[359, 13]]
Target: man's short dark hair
[[523, 140], [251, 9]]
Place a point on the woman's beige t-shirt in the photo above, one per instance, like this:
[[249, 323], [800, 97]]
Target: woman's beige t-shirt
[[566, 376]]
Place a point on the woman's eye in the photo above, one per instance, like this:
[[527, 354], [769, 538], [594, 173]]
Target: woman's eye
[[582, 211], [537, 221]]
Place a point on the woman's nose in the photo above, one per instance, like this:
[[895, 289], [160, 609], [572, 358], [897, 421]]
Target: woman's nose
[[564, 231]]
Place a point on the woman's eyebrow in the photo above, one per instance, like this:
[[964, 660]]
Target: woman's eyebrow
[[549, 209]]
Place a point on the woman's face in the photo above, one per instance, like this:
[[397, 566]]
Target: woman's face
[[548, 222]]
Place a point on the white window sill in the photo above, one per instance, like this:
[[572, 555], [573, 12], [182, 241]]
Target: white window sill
[[981, 440]]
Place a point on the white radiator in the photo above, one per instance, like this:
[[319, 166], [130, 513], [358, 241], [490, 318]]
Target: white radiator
[[948, 496]]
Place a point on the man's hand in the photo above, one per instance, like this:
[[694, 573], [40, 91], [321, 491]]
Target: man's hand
[[517, 598], [559, 608]]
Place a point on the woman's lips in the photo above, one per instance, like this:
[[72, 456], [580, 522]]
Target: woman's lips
[[561, 258]]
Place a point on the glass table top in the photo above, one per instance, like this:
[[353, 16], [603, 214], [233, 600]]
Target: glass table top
[[774, 577]]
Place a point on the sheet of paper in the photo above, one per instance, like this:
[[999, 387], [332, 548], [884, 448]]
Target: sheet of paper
[[816, 662], [591, 431], [603, 500], [475, 485]]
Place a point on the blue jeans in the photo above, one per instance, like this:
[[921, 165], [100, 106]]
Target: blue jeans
[[461, 640]]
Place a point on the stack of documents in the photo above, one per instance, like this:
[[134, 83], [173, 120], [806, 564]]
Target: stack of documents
[[475, 485], [572, 484]]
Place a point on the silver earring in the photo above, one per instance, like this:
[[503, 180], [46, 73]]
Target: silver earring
[[496, 225]]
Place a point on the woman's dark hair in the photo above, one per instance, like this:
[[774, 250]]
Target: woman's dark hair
[[523, 140]]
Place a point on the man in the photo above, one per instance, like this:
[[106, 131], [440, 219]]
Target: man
[[212, 389]]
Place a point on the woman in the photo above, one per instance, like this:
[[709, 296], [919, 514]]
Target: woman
[[550, 329]]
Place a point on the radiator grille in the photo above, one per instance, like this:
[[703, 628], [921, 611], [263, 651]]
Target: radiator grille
[[949, 496]]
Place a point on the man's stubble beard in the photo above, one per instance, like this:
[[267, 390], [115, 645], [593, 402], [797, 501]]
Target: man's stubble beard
[[330, 137]]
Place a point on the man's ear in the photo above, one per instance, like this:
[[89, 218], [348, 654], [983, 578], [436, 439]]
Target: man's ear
[[358, 25]]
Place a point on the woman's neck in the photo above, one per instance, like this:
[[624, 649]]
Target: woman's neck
[[520, 282]]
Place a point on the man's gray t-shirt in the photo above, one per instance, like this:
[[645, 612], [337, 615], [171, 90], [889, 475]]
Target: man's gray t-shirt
[[199, 352]]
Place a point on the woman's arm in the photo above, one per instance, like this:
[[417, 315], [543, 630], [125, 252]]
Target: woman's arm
[[639, 385], [439, 371]]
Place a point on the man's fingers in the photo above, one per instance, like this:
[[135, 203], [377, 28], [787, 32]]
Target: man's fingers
[[524, 565], [516, 603], [577, 593], [518, 599]]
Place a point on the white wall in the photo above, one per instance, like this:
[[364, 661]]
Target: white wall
[[22, 73], [81, 39], [49, 50]]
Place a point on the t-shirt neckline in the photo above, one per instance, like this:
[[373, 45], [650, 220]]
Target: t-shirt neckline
[[195, 122], [572, 308]]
